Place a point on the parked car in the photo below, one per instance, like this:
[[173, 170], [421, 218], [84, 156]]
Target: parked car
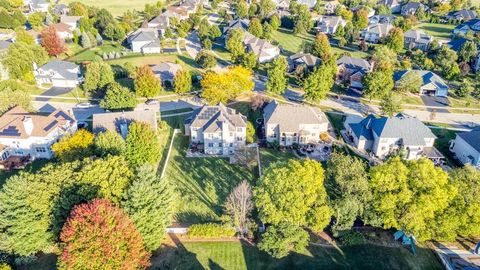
[[151, 102], [83, 105]]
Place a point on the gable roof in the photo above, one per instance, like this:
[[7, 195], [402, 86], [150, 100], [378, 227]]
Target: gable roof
[[412, 7], [144, 34], [212, 118], [409, 129], [62, 27], [62, 67], [309, 3], [472, 138], [161, 20], [115, 120], [464, 14], [381, 29], [69, 19], [473, 24], [426, 75], [331, 20], [12, 123], [457, 44], [166, 70], [290, 117], [260, 47], [306, 58], [354, 63], [419, 36], [389, 3]]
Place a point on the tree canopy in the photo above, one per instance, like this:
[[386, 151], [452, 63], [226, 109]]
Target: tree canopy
[[146, 83], [75, 146], [225, 86], [142, 145], [277, 81], [118, 97]]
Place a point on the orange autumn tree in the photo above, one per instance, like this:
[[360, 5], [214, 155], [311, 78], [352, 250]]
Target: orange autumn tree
[[98, 235], [52, 43]]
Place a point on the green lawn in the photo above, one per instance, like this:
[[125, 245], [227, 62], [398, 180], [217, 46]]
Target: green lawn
[[78, 54], [116, 7], [201, 184], [437, 30], [234, 255], [336, 120], [269, 156], [442, 143], [153, 59]]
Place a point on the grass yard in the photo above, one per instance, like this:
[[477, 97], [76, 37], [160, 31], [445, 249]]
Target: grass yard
[[438, 30], [290, 42], [116, 7], [153, 59], [78, 54], [442, 143], [336, 120], [201, 184], [269, 156], [234, 255]]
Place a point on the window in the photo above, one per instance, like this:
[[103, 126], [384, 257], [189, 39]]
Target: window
[[239, 129], [274, 135], [210, 135], [283, 139], [210, 144], [231, 144], [294, 134], [40, 150], [220, 144]]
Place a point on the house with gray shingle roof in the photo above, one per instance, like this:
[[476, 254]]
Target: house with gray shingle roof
[[411, 8], [145, 40], [417, 39], [472, 26], [262, 48], [466, 147], [375, 32], [462, 15], [58, 73], [219, 129], [393, 5], [120, 121], [351, 70], [384, 136], [329, 24], [432, 84], [304, 60], [293, 124], [166, 71], [161, 23]]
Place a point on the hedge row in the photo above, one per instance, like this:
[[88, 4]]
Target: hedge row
[[210, 230]]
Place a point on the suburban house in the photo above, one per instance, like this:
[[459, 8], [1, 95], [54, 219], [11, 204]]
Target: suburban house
[[386, 135], [302, 60], [331, 6], [161, 23], [25, 134], [411, 8], [462, 15], [166, 72], [393, 5], [120, 121], [466, 147], [385, 19], [375, 32], [371, 11], [218, 129], [457, 43], [263, 49], [72, 21], [179, 12], [64, 31], [282, 4], [351, 70], [37, 5], [61, 9], [469, 26], [417, 40], [144, 40], [309, 3], [58, 73], [239, 23], [329, 24], [432, 85], [293, 124]]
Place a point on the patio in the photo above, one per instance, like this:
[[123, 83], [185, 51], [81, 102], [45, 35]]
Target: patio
[[15, 162]]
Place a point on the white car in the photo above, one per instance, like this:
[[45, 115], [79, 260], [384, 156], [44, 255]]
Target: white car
[[83, 105]]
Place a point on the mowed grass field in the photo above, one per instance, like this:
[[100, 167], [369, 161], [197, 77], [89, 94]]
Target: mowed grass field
[[116, 7], [438, 30], [234, 255], [201, 184]]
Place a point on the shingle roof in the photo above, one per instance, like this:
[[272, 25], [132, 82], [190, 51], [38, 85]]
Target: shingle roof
[[61, 67], [258, 46], [113, 121], [212, 118], [161, 20], [426, 75], [306, 58], [464, 14], [354, 63], [419, 36], [381, 29], [290, 117], [4, 44], [69, 19], [12, 123], [472, 138], [62, 27], [166, 70], [457, 44]]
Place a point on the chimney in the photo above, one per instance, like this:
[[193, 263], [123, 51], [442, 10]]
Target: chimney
[[28, 124]]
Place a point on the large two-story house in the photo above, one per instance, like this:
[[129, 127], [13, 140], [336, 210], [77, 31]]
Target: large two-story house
[[417, 40], [375, 32], [219, 129], [59, 74], [305, 61], [145, 40], [386, 135], [26, 134], [432, 84], [293, 124], [466, 147], [351, 70], [329, 24], [472, 26], [262, 48]]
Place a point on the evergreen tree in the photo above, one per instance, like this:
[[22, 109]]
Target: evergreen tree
[[86, 43], [142, 145], [277, 81]]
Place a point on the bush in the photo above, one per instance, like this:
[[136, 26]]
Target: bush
[[210, 230], [350, 238]]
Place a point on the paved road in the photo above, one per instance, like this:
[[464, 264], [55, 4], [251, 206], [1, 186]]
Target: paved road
[[80, 114]]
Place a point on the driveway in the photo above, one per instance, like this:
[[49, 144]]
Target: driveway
[[435, 102], [192, 44], [53, 92]]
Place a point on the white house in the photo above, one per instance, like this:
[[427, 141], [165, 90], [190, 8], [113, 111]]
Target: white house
[[28, 134], [417, 39], [58, 73], [329, 24], [64, 31], [145, 40], [263, 49], [375, 32], [293, 124], [432, 84], [120, 121], [161, 23], [393, 5], [221, 130], [466, 147], [37, 5], [72, 21], [386, 135]]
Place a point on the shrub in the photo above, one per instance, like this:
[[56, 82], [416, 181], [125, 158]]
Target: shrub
[[210, 230], [350, 238]]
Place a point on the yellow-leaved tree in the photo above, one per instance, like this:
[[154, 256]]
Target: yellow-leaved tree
[[225, 86]]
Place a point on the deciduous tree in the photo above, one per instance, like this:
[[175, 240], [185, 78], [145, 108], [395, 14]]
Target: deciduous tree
[[142, 145], [390, 105], [222, 87], [109, 143], [235, 44], [320, 81], [360, 18], [410, 83], [146, 83], [395, 39], [275, 22], [183, 81], [20, 58], [277, 81], [206, 60], [118, 97], [97, 75], [239, 205], [468, 51], [279, 240], [76, 146], [241, 9], [321, 47], [52, 42], [255, 27], [378, 84], [13, 93]]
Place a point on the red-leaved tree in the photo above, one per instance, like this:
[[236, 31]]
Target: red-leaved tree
[[98, 235], [52, 43]]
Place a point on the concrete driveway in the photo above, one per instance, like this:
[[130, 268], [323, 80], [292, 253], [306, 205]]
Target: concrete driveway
[[52, 92], [435, 102]]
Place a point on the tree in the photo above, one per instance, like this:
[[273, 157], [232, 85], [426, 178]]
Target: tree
[[465, 89], [293, 192], [149, 204], [265, 7], [183, 81], [109, 31], [74, 146], [378, 84], [302, 19], [239, 205], [118, 97], [206, 60], [249, 60], [384, 58], [255, 27], [85, 40], [97, 76], [407, 195], [360, 18], [8, 21], [275, 22], [203, 29], [12, 93], [250, 133], [445, 59], [99, 235], [146, 83], [410, 82], [168, 33], [215, 32], [36, 19], [320, 81], [52, 42], [142, 145], [222, 87], [390, 105], [235, 44], [207, 44], [19, 58], [395, 39], [23, 36], [241, 9], [321, 47], [103, 19], [468, 51], [348, 190], [267, 31], [279, 240], [109, 143], [277, 81]]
